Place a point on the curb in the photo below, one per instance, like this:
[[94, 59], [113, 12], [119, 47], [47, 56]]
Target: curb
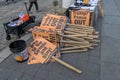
[[5, 53]]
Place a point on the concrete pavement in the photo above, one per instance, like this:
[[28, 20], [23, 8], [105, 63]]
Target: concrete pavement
[[11, 11], [102, 63], [88, 62], [110, 47]]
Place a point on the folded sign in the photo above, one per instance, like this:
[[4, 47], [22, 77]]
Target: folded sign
[[40, 51], [80, 17]]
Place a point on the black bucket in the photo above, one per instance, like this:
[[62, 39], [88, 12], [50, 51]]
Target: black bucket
[[19, 50]]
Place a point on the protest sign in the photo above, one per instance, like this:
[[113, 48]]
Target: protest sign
[[53, 21], [46, 33], [50, 25], [80, 17], [40, 51]]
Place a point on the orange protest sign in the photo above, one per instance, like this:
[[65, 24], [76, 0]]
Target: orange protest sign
[[80, 17], [35, 28], [53, 21], [40, 51], [47, 33], [49, 26]]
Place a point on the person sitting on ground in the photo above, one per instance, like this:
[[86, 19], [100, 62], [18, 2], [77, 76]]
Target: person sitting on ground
[[31, 4]]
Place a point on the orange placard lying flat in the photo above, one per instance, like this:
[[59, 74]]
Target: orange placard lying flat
[[81, 17], [40, 51], [53, 21]]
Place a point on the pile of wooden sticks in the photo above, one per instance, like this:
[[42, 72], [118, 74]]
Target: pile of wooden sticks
[[78, 38]]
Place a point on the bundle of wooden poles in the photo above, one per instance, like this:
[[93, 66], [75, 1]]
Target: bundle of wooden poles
[[78, 38]]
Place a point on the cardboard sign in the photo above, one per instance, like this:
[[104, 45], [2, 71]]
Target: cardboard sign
[[46, 33], [35, 28], [53, 21], [80, 17], [49, 26], [40, 51]]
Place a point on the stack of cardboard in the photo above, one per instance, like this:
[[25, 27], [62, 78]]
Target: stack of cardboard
[[55, 36]]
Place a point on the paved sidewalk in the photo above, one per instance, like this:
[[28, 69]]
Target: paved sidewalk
[[88, 62], [110, 47], [9, 12], [102, 63]]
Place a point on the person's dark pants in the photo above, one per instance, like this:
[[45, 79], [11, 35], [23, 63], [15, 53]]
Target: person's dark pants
[[31, 4]]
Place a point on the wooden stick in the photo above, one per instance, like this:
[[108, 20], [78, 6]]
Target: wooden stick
[[81, 46], [94, 41], [88, 38], [81, 32], [78, 25], [74, 51], [84, 30], [74, 39], [71, 48], [74, 42], [100, 9], [77, 35], [91, 47], [73, 33], [67, 65], [94, 44], [79, 29], [96, 33], [93, 36], [71, 37]]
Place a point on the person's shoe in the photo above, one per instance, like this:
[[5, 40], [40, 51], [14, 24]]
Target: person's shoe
[[38, 10], [29, 12]]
